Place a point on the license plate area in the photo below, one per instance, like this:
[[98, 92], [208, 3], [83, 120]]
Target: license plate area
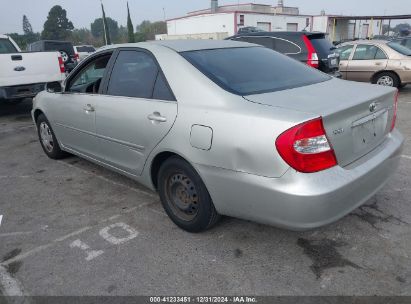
[[333, 60], [369, 131]]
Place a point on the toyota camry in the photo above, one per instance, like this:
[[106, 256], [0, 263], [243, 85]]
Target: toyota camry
[[225, 128]]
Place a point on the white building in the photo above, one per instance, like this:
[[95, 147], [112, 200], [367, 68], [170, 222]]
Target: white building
[[229, 19], [219, 22]]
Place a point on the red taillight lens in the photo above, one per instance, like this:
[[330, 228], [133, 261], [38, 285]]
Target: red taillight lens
[[312, 58], [61, 65], [305, 147], [77, 56], [395, 109]]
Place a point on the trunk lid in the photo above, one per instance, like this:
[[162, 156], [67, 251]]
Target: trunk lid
[[357, 117]]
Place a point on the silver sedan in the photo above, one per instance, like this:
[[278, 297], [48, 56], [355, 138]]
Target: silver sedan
[[225, 128]]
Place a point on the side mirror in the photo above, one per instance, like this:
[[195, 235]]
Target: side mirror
[[54, 87]]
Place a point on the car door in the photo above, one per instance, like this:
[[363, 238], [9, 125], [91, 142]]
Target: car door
[[74, 110], [138, 111], [345, 55], [366, 61]]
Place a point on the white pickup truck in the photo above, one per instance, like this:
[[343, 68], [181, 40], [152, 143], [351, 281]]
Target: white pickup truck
[[24, 74]]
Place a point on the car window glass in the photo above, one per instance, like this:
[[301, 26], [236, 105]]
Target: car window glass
[[253, 70], [408, 43], [366, 52], [380, 54], [285, 47], [89, 76], [345, 52], [133, 75], [161, 89], [264, 41], [6, 47]]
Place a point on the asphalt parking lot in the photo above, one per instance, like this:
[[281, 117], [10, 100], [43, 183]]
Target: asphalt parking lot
[[72, 228]]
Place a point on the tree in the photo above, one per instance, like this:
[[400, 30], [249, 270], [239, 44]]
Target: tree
[[57, 25], [97, 29], [27, 28], [403, 29], [148, 30], [130, 28]]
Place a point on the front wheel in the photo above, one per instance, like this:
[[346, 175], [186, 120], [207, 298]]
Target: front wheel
[[185, 197], [388, 79], [47, 139]]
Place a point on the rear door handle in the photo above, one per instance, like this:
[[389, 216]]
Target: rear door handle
[[156, 116], [88, 108]]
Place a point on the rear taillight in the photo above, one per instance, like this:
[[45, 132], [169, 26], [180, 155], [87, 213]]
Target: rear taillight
[[312, 58], [77, 56], [306, 148], [395, 109], [61, 65]]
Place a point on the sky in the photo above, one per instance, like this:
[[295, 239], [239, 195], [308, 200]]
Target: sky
[[83, 12]]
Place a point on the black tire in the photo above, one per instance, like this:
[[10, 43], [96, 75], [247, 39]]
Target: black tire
[[53, 149], [393, 78], [185, 197]]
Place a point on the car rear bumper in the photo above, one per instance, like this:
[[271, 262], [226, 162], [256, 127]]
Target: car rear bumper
[[21, 91], [301, 201]]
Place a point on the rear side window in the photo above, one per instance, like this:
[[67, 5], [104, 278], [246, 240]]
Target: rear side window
[[285, 46], [264, 41], [6, 47], [161, 90], [345, 52], [400, 48], [134, 75], [368, 52], [253, 70]]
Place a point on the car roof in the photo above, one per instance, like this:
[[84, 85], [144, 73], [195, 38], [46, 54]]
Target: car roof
[[187, 45], [377, 42], [281, 33], [4, 36]]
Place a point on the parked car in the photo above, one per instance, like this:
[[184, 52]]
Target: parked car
[[23, 75], [82, 51], [249, 29], [212, 129], [380, 62], [405, 41], [314, 49], [65, 48]]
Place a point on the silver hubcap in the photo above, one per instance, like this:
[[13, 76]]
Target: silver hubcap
[[46, 137], [386, 81], [64, 56]]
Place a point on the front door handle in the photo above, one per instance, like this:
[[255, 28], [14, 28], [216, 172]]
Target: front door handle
[[156, 117], [88, 108]]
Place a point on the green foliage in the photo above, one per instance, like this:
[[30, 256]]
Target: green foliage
[[57, 25], [23, 40], [130, 28], [27, 28], [149, 30], [84, 36], [402, 28], [97, 29]]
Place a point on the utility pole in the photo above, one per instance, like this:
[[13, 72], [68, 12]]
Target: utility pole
[[104, 23]]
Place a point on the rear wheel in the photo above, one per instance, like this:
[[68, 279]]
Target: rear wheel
[[47, 139], [185, 197], [388, 79]]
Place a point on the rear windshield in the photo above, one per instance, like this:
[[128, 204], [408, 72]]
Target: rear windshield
[[6, 47], [85, 49], [253, 70], [322, 45], [399, 48]]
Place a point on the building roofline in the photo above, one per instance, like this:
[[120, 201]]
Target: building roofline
[[237, 12], [229, 5]]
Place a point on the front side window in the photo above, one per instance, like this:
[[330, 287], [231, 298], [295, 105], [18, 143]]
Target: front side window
[[134, 75], [88, 80], [253, 70], [345, 52], [368, 52]]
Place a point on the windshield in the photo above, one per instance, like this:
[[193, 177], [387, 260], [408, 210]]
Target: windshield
[[6, 47], [399, 48], [253, 70]]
